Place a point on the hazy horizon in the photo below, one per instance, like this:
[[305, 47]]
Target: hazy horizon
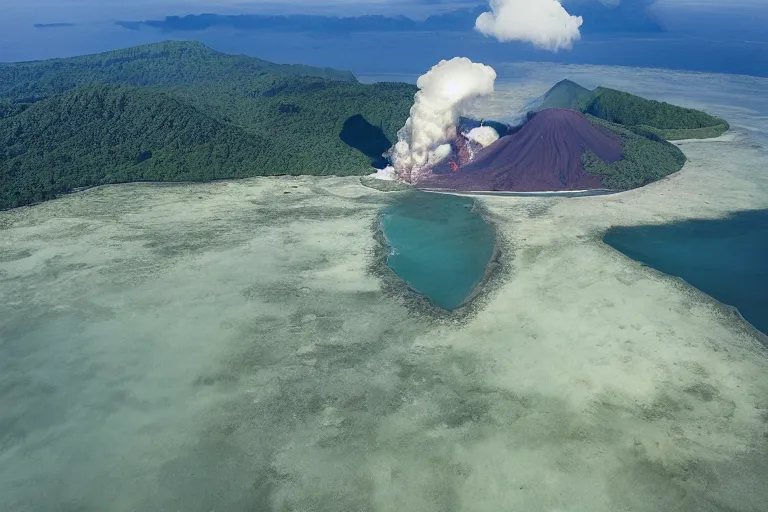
[[690, 35]]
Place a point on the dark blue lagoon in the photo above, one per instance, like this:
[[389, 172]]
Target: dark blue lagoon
[[438, 244], [726, 258]]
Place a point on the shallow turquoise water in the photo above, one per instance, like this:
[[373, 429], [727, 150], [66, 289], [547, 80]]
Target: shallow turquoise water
[[726, 258], [438, 245]]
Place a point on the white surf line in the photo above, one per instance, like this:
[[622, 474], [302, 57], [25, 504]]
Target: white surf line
[[511, 193]]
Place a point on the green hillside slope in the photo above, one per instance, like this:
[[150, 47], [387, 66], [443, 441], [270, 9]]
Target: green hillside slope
[[649, 116], [108, 134], [305, 118], [180, 111], [160, 64], [202, 115], [646, 158], [565, 94], [95, 134], [641, 115]]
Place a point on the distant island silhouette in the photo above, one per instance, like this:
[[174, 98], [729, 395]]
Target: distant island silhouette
[[54, 25], [630, 16]]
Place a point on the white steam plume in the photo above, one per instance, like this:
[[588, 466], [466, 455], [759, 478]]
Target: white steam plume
[[544, 23], [443, 90], [483, 135]]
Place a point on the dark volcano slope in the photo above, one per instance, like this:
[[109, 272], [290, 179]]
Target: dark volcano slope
[[642, 116], [545, 155]]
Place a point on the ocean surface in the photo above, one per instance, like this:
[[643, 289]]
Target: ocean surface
[[438, 244], [725, 258], [393, 52]]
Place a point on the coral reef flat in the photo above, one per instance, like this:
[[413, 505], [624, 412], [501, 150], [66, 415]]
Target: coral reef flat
[[726, 258], [240, 346]]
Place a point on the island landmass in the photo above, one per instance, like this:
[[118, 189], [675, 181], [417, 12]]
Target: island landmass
[[180, 111]]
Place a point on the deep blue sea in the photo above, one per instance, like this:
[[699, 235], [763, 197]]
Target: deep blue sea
[[438, 244], [726, 258], [393, 52]]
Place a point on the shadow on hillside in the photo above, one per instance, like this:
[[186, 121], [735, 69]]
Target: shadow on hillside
[[366, 138]]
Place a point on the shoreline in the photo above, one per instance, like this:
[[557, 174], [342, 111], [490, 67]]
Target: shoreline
[[490, 280], [761, 335], [728, 136], [550, 193], [727, 309]]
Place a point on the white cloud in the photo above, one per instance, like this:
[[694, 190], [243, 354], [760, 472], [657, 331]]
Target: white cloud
[[543, 23]]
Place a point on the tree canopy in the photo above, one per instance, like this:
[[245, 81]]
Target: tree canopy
[[178, 112], [649, 116], [565, 94], [160, 64], [100, 134], [641, 115], [645, 159]]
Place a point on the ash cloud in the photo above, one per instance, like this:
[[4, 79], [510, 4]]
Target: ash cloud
[[483, 135], [425, 139]]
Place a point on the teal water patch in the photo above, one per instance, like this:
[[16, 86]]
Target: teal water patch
[[725, 258], [438, 244]]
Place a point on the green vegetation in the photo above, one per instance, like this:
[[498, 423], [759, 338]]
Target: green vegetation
[[646, 158], [648, 116], [643, 126], [680, 134], [9, 108], [641, 115], [180, 112], [108, 134], [308, 119], [565, 94], [161, 64]]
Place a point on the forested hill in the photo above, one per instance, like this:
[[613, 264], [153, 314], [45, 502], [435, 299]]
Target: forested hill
[[105, 134], [639, 114], [160, 64], [565, 94], [180, 111], [649, 116]]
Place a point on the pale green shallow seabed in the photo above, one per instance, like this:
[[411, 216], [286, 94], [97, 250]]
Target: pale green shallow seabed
[[228, 346]]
